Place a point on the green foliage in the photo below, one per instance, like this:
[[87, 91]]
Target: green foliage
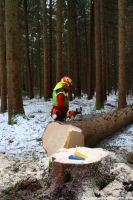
[[12, 121], [99, 105]]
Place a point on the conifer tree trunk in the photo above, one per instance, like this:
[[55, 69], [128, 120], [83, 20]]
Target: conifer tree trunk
[[15, 104], [98, 55], [40, 64], [103, 50], [77, 78], [3, 84], [70, 64], [69, 49], [91, 47], [121, 40], [39, 46], [59, 41], [50, 42], [47, 91], [30, 82]]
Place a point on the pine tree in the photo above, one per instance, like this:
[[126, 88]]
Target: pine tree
[[27, 53], [15, 104], [3, 77], [59, 41], [121, 51]]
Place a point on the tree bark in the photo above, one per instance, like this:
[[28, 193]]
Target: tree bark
[[70, 39], [103, 50], [98, 56], [50, 42], [15, 103], [75, 48], [3, 76], [30, 81], [59, 41], [121, 40], [91, 55], [47, 91]]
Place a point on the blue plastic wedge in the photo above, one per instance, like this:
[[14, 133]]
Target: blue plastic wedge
[[72, 157]]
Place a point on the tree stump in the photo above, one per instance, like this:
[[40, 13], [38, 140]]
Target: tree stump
[[78, 173]]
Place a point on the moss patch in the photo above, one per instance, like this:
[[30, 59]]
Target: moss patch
[[99, 105]]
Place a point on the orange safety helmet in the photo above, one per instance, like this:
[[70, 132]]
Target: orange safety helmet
[[66, 80]]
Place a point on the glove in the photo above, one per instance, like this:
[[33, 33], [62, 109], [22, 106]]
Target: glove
[[55, 113], [54, 116]]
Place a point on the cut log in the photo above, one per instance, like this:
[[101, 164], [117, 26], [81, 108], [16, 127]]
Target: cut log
[[70, 134], [80, 174], [59, 135], [98, 128]]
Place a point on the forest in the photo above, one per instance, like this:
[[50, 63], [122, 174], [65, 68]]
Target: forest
[[90, 41], [41, 41]]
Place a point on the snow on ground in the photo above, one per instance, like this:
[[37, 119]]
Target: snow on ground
[[23, 139]]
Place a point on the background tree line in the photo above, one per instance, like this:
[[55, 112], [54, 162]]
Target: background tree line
[[41, 41]]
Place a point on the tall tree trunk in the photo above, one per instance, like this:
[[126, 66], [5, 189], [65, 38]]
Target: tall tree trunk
[[84, 58], [99, 88], [50, 42], [39, 46], [103, 50], [47, 91], [77, 80], [39, 57], [91, 61], [3, 84], [30, 82], [40, 64], [15, 104], [59, 40], [69, 50], [121, 40]]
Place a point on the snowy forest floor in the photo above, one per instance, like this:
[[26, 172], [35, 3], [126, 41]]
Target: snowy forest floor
[[23, 160]]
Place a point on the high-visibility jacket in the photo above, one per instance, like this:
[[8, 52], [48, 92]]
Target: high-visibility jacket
[[60, 100], [59, 90], [56, 101]]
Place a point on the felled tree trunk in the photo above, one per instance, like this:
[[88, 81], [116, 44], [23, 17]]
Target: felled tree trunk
[[87, 132], [76, 174], [97, 128]]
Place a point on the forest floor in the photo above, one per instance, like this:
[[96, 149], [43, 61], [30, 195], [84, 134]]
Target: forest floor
[[24, 165], [29, 180]]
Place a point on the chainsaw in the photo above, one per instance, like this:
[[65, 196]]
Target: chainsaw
[[71, 114], [74, 114]]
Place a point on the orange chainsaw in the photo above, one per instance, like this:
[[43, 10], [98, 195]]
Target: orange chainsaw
[[77, 113]]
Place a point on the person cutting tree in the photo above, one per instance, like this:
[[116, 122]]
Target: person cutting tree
[[60, 107]]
